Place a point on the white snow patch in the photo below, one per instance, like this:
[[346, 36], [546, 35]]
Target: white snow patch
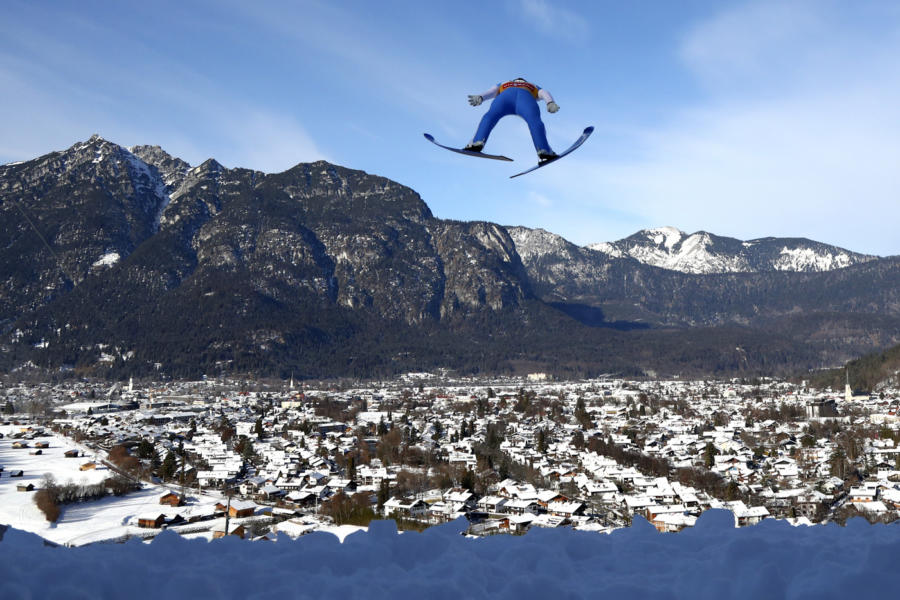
[[107, 260], [807, 259], [139, 170], [606, 248], [666, 236]]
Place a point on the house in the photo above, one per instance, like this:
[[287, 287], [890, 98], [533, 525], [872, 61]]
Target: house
[[269, 492], [744, 515], [151, 521], [172, 499], [347, 486], [19, 444], [238, 508], [859, 494], [673, 522], [656, 510], [549, 521], [601, 490], [25, 487], [405, 507], [301, 498], [564, 509], [516, 506], [252, 485], [545, 497], [635, 504], [441, 511], [492, 504], [517, 523], [15, 473], [786, 467], [460, 499], [509, 489], [219, 532], [71, 453]]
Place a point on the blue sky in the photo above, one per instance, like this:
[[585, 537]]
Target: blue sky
[[745, 119]]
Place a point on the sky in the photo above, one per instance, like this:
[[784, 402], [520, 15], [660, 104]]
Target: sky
[[743, 119]]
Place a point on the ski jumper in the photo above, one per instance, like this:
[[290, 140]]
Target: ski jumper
[[517, 97]]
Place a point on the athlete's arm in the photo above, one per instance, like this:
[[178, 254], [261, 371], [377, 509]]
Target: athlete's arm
[[544, 95], [491, 93]]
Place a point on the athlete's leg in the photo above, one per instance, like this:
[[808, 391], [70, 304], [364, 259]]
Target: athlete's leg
[[500, 107], [528, 108]]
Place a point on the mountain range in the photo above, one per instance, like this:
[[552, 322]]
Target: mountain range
[[123, 261], [703, 252]]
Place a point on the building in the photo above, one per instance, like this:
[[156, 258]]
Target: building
[[171, 499]]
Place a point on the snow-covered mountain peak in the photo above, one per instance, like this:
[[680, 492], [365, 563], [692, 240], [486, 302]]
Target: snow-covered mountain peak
[[703, 252], [666, 237], [534, 243]]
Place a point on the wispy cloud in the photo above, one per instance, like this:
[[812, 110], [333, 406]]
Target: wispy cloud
[[367, 56], [539, 199], [67, 91], [553, 20], [267, 141]]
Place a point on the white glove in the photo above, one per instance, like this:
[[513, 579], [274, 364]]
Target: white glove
[[552, 107], [475, 100]]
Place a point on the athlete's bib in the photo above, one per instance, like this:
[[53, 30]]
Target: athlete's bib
[[530, 87]]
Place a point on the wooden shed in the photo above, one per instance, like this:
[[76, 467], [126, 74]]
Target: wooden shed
[[219, 532], [238, 508], [151, 521], [171, 499]]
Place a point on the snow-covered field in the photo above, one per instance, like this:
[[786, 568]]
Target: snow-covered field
[[107, 519], [82, 523]]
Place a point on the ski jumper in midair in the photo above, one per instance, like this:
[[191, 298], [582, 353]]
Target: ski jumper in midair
[[516, 97]]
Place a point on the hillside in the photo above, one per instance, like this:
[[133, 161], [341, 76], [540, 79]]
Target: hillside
[[869, 373], [131, 261]]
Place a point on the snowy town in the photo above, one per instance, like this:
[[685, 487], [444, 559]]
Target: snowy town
[[94, 462]]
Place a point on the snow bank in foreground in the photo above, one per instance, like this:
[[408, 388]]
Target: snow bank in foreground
[[712, 560]]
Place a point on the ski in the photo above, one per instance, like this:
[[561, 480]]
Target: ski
[[430, 138], [584, 136]]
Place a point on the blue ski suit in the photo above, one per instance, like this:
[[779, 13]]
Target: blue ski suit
[[517, 97]]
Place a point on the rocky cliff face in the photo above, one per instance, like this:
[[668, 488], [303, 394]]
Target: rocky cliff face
[[69, 215], [141, 227]]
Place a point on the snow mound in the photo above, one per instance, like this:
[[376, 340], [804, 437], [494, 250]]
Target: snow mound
[[711, 560]]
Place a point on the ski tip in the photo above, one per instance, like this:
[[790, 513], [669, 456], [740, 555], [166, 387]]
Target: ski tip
[[589, 129], [428, 137]]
